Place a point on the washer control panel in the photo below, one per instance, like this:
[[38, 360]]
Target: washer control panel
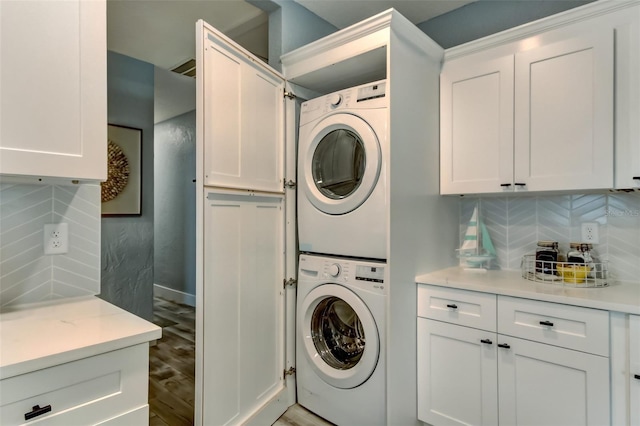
[[364, 274]]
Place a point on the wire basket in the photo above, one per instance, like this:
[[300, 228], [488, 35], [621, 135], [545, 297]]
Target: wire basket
[[592, 274]]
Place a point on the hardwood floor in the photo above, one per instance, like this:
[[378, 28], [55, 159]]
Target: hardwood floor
[[172, 365], [172, 372]]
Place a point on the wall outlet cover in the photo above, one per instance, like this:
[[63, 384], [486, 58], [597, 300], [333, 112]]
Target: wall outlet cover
[[56, 238], [590, 233]]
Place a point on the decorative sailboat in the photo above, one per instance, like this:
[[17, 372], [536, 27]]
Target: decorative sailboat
[[477, 250]]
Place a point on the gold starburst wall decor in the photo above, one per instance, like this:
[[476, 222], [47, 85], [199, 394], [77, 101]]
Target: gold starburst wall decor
[[118, 171]]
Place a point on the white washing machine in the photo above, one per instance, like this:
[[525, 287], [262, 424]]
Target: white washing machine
[[341, 174], [340, 341]]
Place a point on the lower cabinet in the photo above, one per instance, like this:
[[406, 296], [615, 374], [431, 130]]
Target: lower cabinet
[[634, 367], [547, 385], [474, 376], [457, 374], [106, 389]]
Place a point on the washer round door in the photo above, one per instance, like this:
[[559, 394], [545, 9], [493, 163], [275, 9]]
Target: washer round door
[[339, 335], [342, 163]]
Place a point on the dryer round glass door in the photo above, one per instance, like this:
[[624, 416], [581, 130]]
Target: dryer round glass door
[[340, 336], [342, 163]]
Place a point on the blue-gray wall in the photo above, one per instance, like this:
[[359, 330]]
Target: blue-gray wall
[[175, 204], [127, 242], [486, 17], [290, 26]]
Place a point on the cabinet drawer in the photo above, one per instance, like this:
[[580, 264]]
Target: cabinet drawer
[[573, 327], [462, 307], [86, 391]]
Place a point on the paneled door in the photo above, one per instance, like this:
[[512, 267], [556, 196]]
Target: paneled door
[[634, 366], [245, 227], [564, 113]]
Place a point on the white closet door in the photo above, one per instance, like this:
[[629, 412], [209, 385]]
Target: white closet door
[[243, 118], [243, 307], [244, 230]]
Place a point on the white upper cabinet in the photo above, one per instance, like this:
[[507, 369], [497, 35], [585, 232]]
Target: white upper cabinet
[[564, 114], [244, 125], [545, 107], [627, 124], [476, 127], [53, 89]]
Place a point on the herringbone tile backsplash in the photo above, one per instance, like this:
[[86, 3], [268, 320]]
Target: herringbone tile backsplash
[[516, 224], [28, 275]]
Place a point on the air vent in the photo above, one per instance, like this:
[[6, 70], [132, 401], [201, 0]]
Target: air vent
[[188, 68]]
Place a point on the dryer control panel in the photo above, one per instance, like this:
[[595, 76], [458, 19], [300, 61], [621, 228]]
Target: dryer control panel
[[366, 96]]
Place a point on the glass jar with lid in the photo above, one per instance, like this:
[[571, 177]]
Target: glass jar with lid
[[580, 253], [546, 257]]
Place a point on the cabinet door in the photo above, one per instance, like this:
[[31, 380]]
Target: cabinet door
[[564, 114], [476, 113], [627, 163], [634, 367], [545, 385], [244, 119], [242, 309], [457, 375], [53, 90]]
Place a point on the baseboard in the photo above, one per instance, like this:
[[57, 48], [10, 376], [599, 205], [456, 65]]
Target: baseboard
[[174, 295]]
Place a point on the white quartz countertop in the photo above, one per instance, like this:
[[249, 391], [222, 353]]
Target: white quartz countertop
[[618, 297], [48, 334]]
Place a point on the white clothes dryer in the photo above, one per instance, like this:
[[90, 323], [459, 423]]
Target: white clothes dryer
[[340, 342], [341, 173]]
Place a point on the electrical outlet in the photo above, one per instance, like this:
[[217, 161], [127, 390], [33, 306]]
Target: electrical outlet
[[56, 238], [590, 233]]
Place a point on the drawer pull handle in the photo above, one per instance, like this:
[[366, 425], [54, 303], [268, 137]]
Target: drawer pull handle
[[547, 323], [37, 411], [520, 184], [505, 185], [637, 376], [636, 178], [487, 341], [504, 345], [452, 306]]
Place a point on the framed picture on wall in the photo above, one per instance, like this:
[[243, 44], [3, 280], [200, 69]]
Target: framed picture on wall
[[121, 193]]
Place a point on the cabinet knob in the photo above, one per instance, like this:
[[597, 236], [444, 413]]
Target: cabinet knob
[[452, 306], [503, 345], [487, 341], [37, 411], [547, 323]]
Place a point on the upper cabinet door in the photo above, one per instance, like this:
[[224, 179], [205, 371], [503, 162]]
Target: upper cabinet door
[[243, 118], [53, 89], [564, 113], [476, 124]]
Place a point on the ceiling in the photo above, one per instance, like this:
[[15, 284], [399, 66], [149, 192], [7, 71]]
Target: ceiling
[[162, 33]]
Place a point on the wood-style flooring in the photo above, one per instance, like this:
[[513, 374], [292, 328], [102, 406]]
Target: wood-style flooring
[[172, 372]]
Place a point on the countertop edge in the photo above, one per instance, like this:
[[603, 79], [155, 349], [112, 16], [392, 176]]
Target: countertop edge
[[619, 297], [125, 330]]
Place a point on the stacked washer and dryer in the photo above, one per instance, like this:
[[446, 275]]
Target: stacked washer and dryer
[[342, 231]]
